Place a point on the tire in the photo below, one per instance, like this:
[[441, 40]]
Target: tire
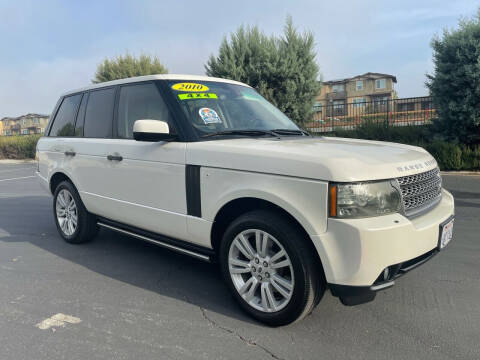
[[65, 215], [295, 281]]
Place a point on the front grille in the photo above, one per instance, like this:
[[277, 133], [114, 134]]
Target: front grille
[[421, 191]]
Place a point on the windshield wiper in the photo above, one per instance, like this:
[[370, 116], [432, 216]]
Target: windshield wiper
[[291, 132], [245, 132]]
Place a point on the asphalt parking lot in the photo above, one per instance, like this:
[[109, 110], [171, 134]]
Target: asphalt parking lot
[[125, 299]]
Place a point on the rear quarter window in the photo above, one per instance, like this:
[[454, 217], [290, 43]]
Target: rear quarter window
[[99, 114], [64, 123]]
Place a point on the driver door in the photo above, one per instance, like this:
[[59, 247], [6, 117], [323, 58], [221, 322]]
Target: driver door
[[147, 179]]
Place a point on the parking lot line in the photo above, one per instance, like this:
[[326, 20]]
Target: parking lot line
[[17, 169], [18, 178]]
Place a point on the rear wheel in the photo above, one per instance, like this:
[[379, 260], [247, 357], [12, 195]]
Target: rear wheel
[[269, 268], [74, 223]]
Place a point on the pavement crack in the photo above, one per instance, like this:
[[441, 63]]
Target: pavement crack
[[237, 335]]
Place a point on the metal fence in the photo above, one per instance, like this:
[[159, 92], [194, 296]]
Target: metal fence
[[394, 112]]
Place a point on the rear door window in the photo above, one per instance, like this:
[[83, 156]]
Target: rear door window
[[99, 114], [64, 123]]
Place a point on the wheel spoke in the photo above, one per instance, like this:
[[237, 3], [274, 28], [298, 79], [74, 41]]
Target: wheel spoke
[[60, 212], [74, 221], [244, 246], [261, 240], [70, 227], [280, 264], [271, 299], [277, 256], [263, 295], [61, 199], [251, 292], [63, 224], [277, 283], [246, 286], [239, 266]]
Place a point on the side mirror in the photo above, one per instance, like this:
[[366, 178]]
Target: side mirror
[[151, 130]]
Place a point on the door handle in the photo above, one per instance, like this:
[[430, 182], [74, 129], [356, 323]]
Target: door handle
[[70, 153], [114, 158]]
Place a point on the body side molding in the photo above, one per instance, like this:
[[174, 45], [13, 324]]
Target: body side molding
[[192, 187]]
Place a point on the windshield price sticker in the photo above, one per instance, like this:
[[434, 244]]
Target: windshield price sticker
[[197, 96], [189, 87], [209, 116]]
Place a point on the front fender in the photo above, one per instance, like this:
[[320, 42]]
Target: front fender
[[304, 199]]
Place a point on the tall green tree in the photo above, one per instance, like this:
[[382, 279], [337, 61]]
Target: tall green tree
[[128, 65], [455, 82], [282, 69]]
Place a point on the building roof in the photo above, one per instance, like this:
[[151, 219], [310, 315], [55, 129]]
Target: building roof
[[368, 75], [154, 77], [29, 115]]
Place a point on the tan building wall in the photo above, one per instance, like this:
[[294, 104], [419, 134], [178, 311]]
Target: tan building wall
[[23, 125], [331, 93]]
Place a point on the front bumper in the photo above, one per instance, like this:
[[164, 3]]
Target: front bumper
[[354, 295], [355, 252]]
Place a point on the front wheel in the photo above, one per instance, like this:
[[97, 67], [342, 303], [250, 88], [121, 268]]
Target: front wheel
[[268, 265]]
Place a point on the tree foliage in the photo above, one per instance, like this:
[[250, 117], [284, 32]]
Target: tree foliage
[[282, 69], [455, 83], [127, 66]]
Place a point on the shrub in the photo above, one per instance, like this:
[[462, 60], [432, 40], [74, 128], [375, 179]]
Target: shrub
[[18, 147], [455, 82], [127, 66], [449, 155], [383, 131], [282, 69]]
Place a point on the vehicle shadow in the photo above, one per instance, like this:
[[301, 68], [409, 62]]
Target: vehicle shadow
[[120, 257]]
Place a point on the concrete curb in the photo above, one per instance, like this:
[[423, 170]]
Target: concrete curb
[[13, 161], [461, 173]]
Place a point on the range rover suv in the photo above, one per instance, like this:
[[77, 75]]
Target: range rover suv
[[207, 167]]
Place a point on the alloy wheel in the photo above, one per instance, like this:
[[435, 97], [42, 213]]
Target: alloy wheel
[[67, 214], [261, 270]]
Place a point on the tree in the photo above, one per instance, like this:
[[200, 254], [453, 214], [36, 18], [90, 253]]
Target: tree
[[126, 66], [282, 69], [455, 83]]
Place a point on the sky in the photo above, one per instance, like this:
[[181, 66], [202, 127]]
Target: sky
[[48, 47]]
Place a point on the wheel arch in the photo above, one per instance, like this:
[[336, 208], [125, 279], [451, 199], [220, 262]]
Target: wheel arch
[[239, 206], [56, 178]]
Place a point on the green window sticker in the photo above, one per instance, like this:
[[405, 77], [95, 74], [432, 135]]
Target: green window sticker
[[197, 96]]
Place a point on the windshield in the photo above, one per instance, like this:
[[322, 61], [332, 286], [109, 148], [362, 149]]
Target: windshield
[[215, 107]]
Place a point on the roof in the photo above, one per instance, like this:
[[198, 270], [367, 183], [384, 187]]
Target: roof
[[29, 115], [368, 75], [154, 77]]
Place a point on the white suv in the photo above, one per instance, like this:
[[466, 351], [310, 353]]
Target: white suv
[[209, 168]]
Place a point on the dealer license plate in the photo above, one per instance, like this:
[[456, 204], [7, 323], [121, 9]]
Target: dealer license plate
[[446, 233]]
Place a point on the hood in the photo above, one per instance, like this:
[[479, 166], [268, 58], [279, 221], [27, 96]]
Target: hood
[[321, 158]]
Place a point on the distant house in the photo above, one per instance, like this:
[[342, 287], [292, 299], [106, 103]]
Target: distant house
[[370, 87], [23, 125]]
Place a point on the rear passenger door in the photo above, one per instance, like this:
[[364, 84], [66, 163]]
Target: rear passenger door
[[91, 144]]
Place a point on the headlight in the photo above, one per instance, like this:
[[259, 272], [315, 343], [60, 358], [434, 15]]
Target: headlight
[[358, 200]]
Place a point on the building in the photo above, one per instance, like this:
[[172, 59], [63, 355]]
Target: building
[[23, 125], [336, 95]]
